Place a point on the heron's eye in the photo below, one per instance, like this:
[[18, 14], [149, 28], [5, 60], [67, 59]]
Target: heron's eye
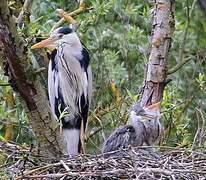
[[61, 35]]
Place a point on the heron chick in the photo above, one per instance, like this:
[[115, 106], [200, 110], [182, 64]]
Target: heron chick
[[144, 130], [149, 116], [69, 84]]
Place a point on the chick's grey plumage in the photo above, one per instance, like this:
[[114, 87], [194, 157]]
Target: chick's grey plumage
[[124, 137], [141, 132], [150, 118]]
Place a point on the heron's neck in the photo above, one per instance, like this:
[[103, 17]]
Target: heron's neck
[[73, 49], [134, 118]]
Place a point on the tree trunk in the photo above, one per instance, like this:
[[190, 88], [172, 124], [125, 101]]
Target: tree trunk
[[155, 73], [18, 68]]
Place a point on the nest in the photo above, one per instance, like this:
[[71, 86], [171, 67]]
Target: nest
[[136, 163]]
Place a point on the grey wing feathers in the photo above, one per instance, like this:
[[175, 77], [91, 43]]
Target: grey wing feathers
[[73, 85], [122, 137], [53, 87], [89, 71]]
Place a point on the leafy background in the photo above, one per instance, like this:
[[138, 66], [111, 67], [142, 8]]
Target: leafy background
[[117, 34]]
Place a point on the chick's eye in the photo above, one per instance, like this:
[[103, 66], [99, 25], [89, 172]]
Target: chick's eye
[[61, 35]]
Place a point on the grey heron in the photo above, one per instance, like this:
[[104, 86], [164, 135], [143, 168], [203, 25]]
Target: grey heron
[[149, 116], [144, 130], [69, 84]]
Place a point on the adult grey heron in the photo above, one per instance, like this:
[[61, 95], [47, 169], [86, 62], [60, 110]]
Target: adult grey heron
[[144, 130], [69, 84]]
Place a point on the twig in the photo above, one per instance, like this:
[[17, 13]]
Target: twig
[[9, 122], [82, 8], [38, 169], [57, 175], [203, 127], [118, 100], [178, 66], [194, 94], [182, 45], [173, 107], [8, 84], [25, 8], [66, 16], [96, 130], [65, 166], [198, 130]]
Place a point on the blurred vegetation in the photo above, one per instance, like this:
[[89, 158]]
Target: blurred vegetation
[[117, 34]]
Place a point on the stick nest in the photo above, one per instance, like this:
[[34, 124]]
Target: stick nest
[[19, 162]]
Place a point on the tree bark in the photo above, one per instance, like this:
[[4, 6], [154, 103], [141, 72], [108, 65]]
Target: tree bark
[[155, 73], [18, 68]]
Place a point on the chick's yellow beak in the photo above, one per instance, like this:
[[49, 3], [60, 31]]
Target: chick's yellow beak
[[43, 43]]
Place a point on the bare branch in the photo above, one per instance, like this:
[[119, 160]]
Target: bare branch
[[116, 104], [178, 66], [26, 7], [94, 131], [183, 41], [82, 8], [6, 84]]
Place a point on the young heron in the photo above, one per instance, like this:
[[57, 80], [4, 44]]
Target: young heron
[[69, 84], [145, 130]]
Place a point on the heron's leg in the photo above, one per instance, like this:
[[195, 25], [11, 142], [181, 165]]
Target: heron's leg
[[82, 137]]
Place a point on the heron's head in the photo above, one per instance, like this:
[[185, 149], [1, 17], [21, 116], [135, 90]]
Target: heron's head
[[59, 36], [151, 112]]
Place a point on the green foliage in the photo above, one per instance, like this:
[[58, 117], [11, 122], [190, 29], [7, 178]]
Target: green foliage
[[117, 34], [15, 115]]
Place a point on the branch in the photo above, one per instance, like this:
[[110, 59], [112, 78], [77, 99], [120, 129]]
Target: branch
[[38, 169], [202, 131], [67, 16], [182, 45], [173, 107], [178, 66], [25, 9], [187, 104], [94, 131], [110, 108], [6, 84]]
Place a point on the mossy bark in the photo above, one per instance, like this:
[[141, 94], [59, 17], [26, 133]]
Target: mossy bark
[[13, 53], [155, 73]]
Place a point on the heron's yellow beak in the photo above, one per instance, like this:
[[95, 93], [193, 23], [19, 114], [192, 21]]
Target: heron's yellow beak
[[43, 43], [154, 106]]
